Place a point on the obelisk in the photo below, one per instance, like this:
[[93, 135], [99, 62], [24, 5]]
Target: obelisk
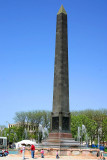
[[60, 113], [60, 135]]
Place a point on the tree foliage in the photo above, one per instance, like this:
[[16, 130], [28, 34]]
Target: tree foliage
[[34, 118], [94, 120]]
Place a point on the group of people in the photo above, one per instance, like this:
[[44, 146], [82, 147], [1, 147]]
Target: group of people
[[33, 152], [42, 154], [99, 153], [4, 153]]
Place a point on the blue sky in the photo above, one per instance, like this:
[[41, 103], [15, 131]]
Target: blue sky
[[27, 50]]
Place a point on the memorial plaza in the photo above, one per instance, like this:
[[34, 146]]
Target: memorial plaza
[[16, 157], [60, 142]]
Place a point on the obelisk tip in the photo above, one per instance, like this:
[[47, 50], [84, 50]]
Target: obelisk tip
[[61, 10]]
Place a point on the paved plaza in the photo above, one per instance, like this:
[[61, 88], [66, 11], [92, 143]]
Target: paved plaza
[[15, 157], [20, 158]]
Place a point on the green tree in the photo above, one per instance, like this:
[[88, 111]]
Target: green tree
[[33, 118], [93, 120]]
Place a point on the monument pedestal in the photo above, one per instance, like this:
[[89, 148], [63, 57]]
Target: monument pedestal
[[60, 140]]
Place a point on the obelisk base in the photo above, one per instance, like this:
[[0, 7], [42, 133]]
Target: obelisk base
[[60, 140]]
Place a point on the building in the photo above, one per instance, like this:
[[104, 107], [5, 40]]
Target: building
[[29, 127]]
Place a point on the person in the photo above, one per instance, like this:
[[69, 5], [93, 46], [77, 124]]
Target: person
[[32, 150], [23, 151], [3, 152], [57, 156], [6, 152], [42, 153], [101, 152], [98, 153]]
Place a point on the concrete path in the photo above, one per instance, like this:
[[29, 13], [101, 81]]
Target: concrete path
[[11, 157]]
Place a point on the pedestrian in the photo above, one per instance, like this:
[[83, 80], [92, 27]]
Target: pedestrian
[[23, 151], [3, 152], [42, 153], [6, 152], [32, 150], [101, 152], [57, 156], [98, 153]]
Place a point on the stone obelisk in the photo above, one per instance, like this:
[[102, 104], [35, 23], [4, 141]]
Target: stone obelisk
[[60, 113], [60, 135]]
